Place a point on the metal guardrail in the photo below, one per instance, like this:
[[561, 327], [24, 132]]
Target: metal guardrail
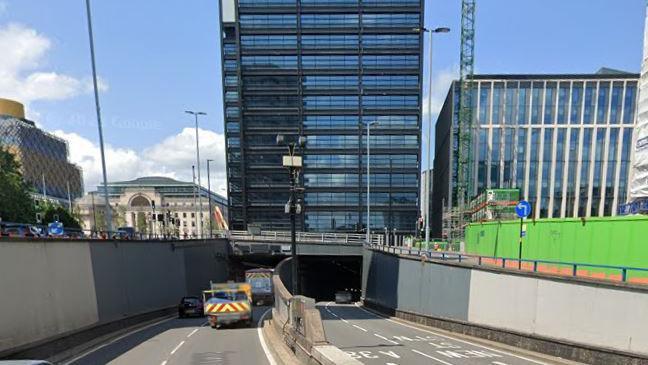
[[40, 231], [570, 268], [306, 237]]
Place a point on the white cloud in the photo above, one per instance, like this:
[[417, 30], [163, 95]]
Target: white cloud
[[173, 157], [24, 51], [440, 86]]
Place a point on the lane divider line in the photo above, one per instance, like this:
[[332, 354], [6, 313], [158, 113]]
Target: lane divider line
[[450, 337], [177, 347], [432, 357], [386, 339], [95, 349], [164, 362], [192, 332], [264, 345], [360, 328]]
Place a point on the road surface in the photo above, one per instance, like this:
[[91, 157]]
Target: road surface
[[372, 339], [183, 341]]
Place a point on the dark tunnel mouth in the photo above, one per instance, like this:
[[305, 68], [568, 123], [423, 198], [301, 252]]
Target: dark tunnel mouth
[[323, 276]]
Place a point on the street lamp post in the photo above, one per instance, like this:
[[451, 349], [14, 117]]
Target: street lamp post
[[369, 180], [199, 225], [429, 132], [193, 173], [293, 163], [108, 214], [209, 197]]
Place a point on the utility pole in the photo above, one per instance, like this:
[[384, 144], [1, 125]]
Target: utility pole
[[44, 187], [108, 214], [199, 224], [426, 191], [69, 196], [294, 164], [368, 225], [193, 173]]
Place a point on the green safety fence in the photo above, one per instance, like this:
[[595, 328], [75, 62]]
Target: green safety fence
[[612, 241]]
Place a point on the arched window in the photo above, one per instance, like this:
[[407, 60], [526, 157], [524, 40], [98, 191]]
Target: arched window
[[140, 201]]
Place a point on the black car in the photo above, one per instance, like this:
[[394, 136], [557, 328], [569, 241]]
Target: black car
[[190, 306]]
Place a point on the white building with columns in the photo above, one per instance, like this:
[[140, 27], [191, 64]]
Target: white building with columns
[[156, 206]]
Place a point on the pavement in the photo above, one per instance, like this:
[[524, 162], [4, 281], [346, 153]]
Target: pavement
[[184, 341], [374, 339]]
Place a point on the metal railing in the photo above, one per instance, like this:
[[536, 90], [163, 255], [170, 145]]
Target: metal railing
[[573, 269], [305, 237], [41, 231]]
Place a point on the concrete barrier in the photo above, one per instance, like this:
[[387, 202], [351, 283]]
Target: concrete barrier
[[299, 322], [579, 319], [55, 289]]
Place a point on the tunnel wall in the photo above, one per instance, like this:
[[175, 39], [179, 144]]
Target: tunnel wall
[[596, 315], [50, 289]]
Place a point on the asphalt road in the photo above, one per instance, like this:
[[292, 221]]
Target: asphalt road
[[183, 341], [372, 339]]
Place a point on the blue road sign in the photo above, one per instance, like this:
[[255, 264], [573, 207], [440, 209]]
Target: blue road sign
[[523, 209], [55, 228]]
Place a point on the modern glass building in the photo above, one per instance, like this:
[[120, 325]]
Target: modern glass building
[[324, 69], [43, 157], [563, 140]]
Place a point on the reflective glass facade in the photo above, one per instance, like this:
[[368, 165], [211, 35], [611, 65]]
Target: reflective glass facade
[[563, 140], [324, 69], [43, 158]]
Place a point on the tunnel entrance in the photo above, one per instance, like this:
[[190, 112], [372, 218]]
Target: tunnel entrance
[[322, 276]]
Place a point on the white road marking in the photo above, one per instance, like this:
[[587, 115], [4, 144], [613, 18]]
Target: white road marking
[[344, 320], [452, 338], [266, 350], [177, 347], [360, 328], [499, 363], [432, 357], [386, 339], [75, 359], [163, 362], [192, 333]]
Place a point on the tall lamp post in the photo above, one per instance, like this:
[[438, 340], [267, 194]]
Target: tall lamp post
[[429, 132], [193, 173], [369, 125], [293, 163], [108, 215], [199, 224], [209, 197]]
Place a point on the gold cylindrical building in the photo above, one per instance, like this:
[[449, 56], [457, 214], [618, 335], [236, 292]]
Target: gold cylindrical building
[[12, 108]]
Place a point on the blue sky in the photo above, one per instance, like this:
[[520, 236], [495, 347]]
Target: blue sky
[[157, 58]]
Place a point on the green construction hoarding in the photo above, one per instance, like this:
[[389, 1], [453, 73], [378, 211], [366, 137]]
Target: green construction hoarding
[[614, 241]]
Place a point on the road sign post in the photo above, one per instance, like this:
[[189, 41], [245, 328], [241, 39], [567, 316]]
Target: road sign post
[[55, 228], [522, 209]]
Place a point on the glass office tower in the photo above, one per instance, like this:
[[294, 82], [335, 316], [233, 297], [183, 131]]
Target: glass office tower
[[563, 140], [325, 69]]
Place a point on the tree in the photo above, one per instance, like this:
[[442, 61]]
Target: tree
[[16, 203], [52, 212]]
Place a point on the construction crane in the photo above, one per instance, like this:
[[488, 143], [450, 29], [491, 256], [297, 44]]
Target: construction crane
[[463, 190]]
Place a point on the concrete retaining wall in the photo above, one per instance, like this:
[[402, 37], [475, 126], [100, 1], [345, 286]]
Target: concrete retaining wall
[[596, 315], [52, 289]]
